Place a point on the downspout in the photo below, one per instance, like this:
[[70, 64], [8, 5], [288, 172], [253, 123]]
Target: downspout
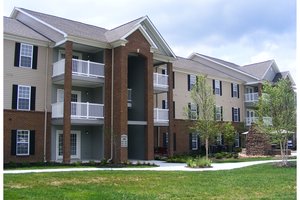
[[45, 103], [112, 108]]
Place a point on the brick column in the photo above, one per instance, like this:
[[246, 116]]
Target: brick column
[[67, 102], [149, 129], [170, 106]]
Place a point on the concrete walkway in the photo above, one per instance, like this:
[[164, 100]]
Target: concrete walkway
[[163, 166]]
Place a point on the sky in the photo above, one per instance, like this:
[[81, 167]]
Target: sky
[[241, 32]]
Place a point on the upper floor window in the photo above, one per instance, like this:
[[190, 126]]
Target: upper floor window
[[234, 90], [191, 81], [23, 97], [235, 114], [219, 113], [193, 111], [25, 56], [217, 87]]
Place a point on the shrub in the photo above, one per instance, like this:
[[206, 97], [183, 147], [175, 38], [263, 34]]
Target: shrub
[[235, 155], [144, 163], [190, 162], [125, 162], [103, 161], [51, 162], [92, 163], [130, 162], [153, 164], [138, 163], [158, 157], [229, 155], [169, 160], [78, 163], [218, 156], [239, 149], [40, 163], [223, 153], [202, 162], [62, 163], [25, 164], [148, 164], [12, 163]]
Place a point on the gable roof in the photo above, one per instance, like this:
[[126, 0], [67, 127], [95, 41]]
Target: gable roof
[[258, 69]]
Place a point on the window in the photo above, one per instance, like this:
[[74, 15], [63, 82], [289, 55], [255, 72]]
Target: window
[[191, 81], [164, 104], [25, 56], [234, 90], [193, 111], [235, 114], [237, 140], [22, 142], [219, 113], [23, 97], [165, 139], [219, 140], [194, 141], [217, 87]]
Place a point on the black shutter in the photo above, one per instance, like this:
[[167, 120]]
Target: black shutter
[[32, 98], [163, 106], [197, 111], [198, 142], [164, 139], [240, 140], [13, 142], [231, 89], [215, 111], [238, 91], [35, 55], [163, 71], [222, 139], [32, 143], [239, 113], [214, 87], [189, 82], [174, 109], [220, 88], [17, 54], [190, 112], [190, 139], [173, 80], [221, 113], [232, 114], [174, 141], [14, 97]]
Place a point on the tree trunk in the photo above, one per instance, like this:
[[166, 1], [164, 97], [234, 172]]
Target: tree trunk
[[206, 147]]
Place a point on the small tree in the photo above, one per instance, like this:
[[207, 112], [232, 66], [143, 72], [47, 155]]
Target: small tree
[[278, 103], [202, 96], [229, 134]]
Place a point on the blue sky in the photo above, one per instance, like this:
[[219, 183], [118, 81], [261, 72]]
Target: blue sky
[[238, 31]]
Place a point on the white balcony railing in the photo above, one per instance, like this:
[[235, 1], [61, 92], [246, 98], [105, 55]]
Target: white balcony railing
[[79, 110], [249, 120], [161, 115], [80, 68], [251, 97], [160, 80]]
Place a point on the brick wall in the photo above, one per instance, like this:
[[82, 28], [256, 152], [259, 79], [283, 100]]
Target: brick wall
[[26, 120]]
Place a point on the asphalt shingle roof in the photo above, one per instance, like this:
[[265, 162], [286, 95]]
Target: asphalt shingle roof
[[257, 69]]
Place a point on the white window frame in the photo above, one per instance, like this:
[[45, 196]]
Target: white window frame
[[218, 113], [237, 140], [234, 90], [193, 80], [219, 139], [194, 110], [25, 54], [61, 91], [235, 114], [22, 142], [195, 141], [23, 97], [217, 87], [78, 144]]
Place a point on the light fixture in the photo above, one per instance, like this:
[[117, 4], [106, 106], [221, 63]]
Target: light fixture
[[87, 92], [87, 132]]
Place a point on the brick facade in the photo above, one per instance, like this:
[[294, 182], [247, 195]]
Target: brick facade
[[26, 120]]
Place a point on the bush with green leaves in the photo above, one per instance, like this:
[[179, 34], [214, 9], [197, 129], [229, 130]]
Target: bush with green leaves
[[103, 161], [190, 162], [138, 163], [218, 156], [13, 163], [223, 154], [25, 164], [229, 155], [235, 155], [125, 162], [40, 163], [130, 162], [203, 162], [92, 163], [77, 163]]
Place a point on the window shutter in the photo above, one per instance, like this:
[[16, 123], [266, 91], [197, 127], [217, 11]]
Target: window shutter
[[221, 113], [239, 113], [214, 87], [238, 91], [220, 88], [198, 142], [215, 112], [32, 98], [190, 112], [35, 55], [32, 143], [164, 140], [231, 89], [189, 82], [14, 97], [173, 80], [174, 141], [190, 138], [232, 114], [163, 71], [17, 54], [240, 140], [174, 109], [197, 111], [163, 104], [13, 142], [222, 139]]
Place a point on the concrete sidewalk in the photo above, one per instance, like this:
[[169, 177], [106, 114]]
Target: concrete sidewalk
[[163, 166]]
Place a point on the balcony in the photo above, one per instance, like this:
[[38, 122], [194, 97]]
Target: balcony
[[82, 113], [160, 83], [251, 97], [84, 73], [249, 120], [161, 117]]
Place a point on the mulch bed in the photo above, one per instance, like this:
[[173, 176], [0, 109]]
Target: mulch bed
[[280, 164]]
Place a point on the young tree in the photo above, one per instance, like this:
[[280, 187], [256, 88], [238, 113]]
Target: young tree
[[278, 103], [229, 134], [202, 96]]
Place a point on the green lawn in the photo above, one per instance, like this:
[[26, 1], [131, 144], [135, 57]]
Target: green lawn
[[254, 182]]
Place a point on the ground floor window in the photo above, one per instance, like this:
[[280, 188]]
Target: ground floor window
[[22, 142], [194, 141], [237, 140]]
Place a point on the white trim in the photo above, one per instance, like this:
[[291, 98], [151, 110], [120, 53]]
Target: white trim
[[195, 140], [61, 51], [28, 143], [24, 98], [22, 45], [22, 39], [78, 144], [72, 92]]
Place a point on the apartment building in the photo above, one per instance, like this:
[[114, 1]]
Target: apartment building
[[72, 90]]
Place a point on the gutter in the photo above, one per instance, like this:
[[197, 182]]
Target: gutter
[[45, 103], [112, 107]]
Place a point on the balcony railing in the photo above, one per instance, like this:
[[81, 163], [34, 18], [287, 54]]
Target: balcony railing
[[251, 97], [79, 110], [249, 120], [80, 68], [161, 115], [160, 80]]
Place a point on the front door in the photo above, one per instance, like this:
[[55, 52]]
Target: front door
[[74, 145]]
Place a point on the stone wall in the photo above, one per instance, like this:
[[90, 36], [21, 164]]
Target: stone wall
[[257, 144]]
